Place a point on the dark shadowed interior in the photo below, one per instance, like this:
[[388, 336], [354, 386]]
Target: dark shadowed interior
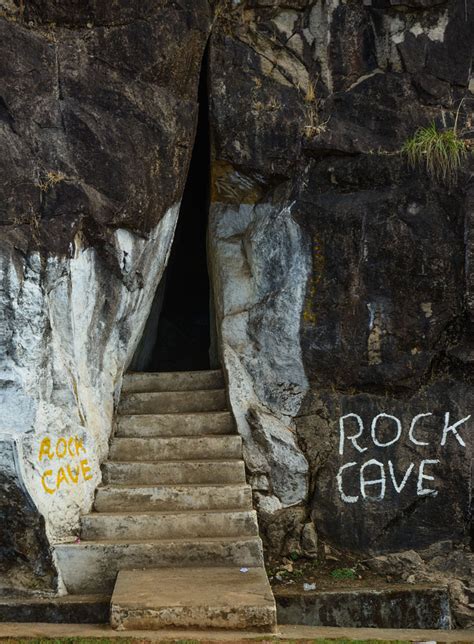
[[181, 306]]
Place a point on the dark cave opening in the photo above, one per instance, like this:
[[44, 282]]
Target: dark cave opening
[[178, 332]]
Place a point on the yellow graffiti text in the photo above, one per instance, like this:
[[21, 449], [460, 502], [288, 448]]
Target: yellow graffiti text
[[65, 476], [73, 467], [63, 447]]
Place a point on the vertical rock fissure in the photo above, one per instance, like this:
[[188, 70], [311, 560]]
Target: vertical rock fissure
[[177, 334]]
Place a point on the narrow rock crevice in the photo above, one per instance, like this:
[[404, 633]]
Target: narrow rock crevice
[[177, 334]]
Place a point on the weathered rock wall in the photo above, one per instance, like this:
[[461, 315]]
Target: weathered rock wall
[[25, 560], [97, 118], [342, 278], [259, 269], [311, 103]]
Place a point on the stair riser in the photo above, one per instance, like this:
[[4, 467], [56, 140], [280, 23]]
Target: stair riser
[[243, 618], [90, 568], [65, 609], [145, 426], [174, 473], [165, 449], [182, 381], [123, 527], [169, 499], [173, 402]]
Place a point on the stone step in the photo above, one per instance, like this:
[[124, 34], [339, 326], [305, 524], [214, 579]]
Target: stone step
[[147, 425], [170, 525], [172, 381], [174, 472], [64, 609], [176, 448], [193, 598], [92, 566], [384, 606], [172, 402], [168, 498]]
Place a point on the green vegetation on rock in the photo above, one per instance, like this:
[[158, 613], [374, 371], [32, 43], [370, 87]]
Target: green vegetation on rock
[[441, 152], [343, 573]]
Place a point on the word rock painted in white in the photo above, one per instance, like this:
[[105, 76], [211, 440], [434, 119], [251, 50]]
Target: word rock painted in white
[[449, 428]]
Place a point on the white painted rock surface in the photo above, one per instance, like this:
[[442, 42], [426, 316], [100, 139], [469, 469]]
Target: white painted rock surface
[[260, 264]]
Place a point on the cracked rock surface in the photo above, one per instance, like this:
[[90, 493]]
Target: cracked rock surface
[[342, 279], [311, 103], [98, 109]]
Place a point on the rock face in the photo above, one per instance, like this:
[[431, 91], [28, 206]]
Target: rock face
[[259, 271], [97, 120], [311, 103], [342, 279], [25, 562], [394, 332]]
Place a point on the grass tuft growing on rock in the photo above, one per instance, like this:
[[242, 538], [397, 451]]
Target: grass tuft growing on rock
[[441, 152]]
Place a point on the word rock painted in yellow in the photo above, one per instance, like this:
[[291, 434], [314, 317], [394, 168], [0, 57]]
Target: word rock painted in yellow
[[64, 447]]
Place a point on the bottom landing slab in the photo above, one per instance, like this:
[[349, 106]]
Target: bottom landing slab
[[193, 598]]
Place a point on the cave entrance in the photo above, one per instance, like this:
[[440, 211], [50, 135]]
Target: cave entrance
[[177, 336]]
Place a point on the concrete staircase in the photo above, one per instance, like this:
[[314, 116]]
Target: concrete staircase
[[174, 498]]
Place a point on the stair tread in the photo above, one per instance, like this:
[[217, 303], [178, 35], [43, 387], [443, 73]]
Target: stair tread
[[220, 590], [10, 600], [229, 459], [138, 486], [129, 374], [163, 449], [175, 472], [175, 393], [157, 599], [179, 413], [156, 513], [152, 433], [171, 438], [174, 497], [151, 542], [170, 402], [181, 460]]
